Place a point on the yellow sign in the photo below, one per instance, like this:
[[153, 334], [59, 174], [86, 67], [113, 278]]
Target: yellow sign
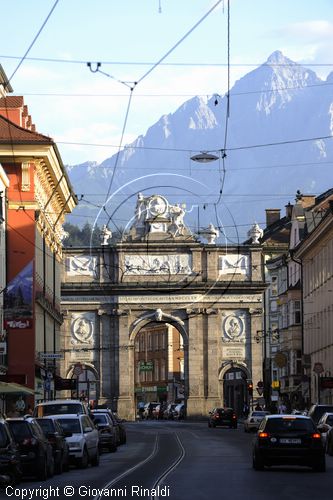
[[275, 384]]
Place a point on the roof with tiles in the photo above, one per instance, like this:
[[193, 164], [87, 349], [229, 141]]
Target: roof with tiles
[[13, 101], [11, 133]]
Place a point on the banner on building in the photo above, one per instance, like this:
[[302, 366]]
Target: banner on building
[[18, 310]]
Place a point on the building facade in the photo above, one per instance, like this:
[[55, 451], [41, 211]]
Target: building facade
[[161, 276], [38, 197], [316, 256]]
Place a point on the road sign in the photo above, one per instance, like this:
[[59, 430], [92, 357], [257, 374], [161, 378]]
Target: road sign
[[260, 383], [47, 385], [260, 390]]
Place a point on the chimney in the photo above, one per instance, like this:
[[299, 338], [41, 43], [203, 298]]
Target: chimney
[[289, 210], [272, 215]]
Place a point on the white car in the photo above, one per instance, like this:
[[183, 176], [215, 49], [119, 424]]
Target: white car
[[84, 439], [253, 420], [60, 407]]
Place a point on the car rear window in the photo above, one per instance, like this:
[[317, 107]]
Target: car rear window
[[100, 419], [20, 430], [284, 424], [259, 414], [70, 425]]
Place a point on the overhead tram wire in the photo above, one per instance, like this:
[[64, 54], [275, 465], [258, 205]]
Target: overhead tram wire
[[34, 40], [134, 85], [22, 59], [183, 150], [227, 112], [150, 63]]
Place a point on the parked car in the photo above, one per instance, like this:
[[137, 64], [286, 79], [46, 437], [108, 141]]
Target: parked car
[[179, 413], [10, 460], [317, 411], [324, 425], [148, 411], [107, 431], [253, 420], [168, 413], [57, 438], [35, 450], [60, 407], [288, 440], [223, 417], [84, 439], [114, 423]]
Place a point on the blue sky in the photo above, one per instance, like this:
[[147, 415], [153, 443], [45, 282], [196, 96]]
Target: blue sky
[[129, 31]]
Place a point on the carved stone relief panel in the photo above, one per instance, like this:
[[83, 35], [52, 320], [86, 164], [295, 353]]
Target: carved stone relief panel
[[81, 265], [157, 264], [234, 264], [83, 329], [234, 326]]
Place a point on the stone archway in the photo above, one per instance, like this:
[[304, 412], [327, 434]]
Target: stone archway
[[143, 323], [233, 378], [87, 382]]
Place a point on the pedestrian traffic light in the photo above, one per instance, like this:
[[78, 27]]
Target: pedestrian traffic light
[[250, 388]]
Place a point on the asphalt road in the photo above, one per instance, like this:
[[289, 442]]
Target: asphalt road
[[181, 461]]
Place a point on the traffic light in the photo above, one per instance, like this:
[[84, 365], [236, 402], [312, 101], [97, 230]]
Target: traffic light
[[250, 388]]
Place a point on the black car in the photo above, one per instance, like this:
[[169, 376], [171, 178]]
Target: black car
[[57, 438], [288, 440], [222, 416], [35, 451], [317, 411], [106, 429], [10, 460]]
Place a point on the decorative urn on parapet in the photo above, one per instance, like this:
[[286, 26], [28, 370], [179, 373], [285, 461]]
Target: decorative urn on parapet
[[255, 233], [211, 233]]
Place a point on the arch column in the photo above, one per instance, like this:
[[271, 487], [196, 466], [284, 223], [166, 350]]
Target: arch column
[[213, 335], [196, 369], [257, 348], [126, 399]]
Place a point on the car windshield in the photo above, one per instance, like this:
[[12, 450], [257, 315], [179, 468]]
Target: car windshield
[[59, 409], [46, 424], [20, 430], [290, 424], [70, 425]]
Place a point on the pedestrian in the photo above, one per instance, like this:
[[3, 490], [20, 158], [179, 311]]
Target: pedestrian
[[246, 410], [282, 408]]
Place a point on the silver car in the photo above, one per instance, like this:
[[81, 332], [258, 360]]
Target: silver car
[[253, 420]]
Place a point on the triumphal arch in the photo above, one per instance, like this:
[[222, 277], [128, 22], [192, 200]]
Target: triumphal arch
[[195, 304]]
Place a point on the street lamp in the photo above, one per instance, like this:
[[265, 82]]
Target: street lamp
[[204, 157]]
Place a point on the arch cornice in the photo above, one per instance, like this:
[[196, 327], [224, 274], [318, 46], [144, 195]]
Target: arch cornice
[[88, 365], [161, 317], [234, 364]]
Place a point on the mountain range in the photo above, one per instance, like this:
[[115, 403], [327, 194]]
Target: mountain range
[[274, 132]]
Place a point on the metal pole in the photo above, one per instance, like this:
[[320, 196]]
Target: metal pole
[[318, 388]]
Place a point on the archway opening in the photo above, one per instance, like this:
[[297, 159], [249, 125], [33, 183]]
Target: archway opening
[[235, 389], [159, 364], [86, 385]]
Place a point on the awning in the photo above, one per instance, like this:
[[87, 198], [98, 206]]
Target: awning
[[12, 388]]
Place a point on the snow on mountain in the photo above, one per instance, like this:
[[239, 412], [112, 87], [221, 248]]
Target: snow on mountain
[[280, 101]]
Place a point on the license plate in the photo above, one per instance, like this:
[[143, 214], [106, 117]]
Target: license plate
[[290, 441]]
